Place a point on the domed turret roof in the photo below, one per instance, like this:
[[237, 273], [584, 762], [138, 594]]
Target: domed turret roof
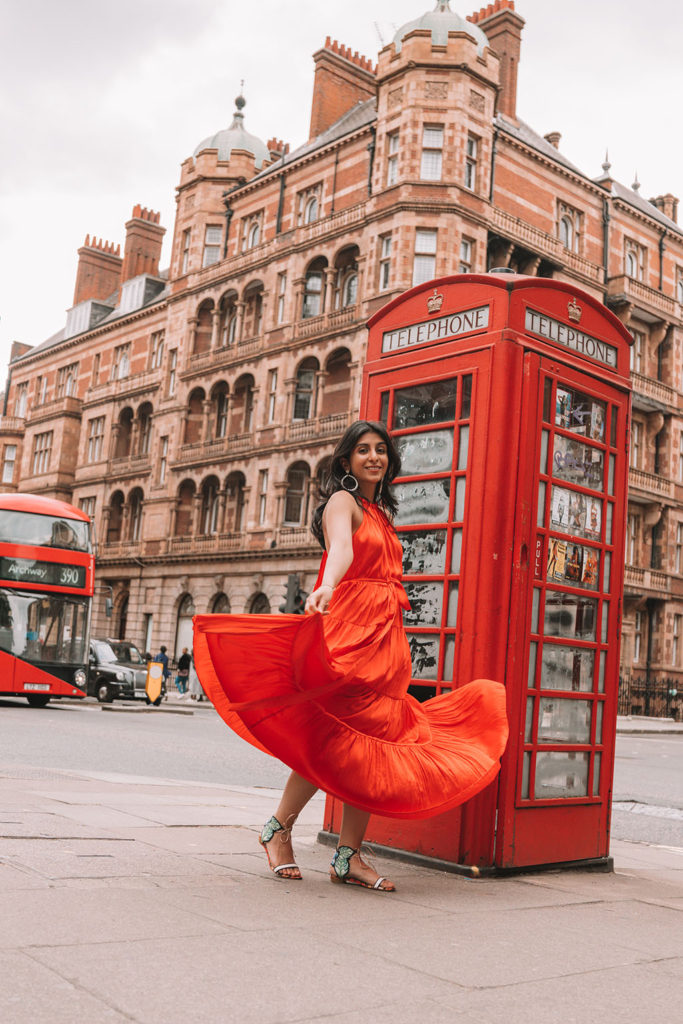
[[235, 137], [441, 21]]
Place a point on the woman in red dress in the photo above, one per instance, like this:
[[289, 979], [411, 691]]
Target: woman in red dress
[[326, 693]]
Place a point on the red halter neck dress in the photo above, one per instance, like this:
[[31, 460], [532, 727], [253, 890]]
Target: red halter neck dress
[[327, 694]]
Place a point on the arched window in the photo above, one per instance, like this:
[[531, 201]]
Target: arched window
[[203, 328], [230, 328], [243, 404], [346, 277], [313, 290], [123, 617], [336, 392], [220, 605], [228, 320], [183, 518], [183, 633], [350, 290], [115, 518], [135, 504], [567, 232], [209, 513], [679, 289], [305, 389], [631, 264], [296, 495], [259, 605], [193, 417], [221, 402], [234, 487], [254, 235], [125, 434], [311, 210], [145, 422]]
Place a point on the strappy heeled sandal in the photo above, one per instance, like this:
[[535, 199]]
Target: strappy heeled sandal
[[341, 872], [270, 829]]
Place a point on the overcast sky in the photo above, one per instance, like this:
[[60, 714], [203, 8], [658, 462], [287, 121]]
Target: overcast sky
[[100, 103]]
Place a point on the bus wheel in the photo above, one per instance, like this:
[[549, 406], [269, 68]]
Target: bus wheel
[[36, 701], [105, 694]]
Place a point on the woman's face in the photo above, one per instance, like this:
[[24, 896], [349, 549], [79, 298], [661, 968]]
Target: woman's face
[[369, 461]]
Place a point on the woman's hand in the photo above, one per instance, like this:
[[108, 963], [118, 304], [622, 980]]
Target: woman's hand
[[319, 599]]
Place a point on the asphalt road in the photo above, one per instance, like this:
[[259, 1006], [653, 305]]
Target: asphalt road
[[648, 796]]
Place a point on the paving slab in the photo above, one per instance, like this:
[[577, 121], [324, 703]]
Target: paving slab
[[149, 900], [30, 991], [639, 994], [279, 975]]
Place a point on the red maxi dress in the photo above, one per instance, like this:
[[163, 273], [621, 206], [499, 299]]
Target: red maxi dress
[[327, 694]]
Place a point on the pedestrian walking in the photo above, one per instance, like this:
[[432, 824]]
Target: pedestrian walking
[[183, 674], [166, 672], [195, 687], [326, 692]]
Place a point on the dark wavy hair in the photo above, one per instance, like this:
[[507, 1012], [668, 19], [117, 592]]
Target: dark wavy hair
[[331, 482]]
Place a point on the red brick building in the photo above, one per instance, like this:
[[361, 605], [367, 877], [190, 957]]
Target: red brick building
[[191, 410]]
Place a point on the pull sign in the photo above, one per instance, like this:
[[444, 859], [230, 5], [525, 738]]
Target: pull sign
[[538, 559]]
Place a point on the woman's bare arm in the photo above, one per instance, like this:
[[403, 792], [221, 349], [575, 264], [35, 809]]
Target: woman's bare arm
[[341, 516]]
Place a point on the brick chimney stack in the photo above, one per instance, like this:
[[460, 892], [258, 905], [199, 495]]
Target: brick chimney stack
[[142, 250], [503, 29], [342, 78], [99, 270], [668, 205]]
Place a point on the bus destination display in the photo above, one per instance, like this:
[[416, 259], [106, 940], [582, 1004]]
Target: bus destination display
[[28, 570]]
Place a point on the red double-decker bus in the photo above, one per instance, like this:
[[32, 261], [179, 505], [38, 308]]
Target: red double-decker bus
[[46, 588]]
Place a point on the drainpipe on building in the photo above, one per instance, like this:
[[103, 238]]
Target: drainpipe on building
[[228, 218], [662, 247], [605, 244], [371, 162], [280, 205], [494, 148]]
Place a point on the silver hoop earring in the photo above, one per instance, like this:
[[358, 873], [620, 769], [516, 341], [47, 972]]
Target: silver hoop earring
[[352, 486]]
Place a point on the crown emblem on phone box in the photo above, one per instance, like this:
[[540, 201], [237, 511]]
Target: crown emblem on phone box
[[574, 311], [434, 302]]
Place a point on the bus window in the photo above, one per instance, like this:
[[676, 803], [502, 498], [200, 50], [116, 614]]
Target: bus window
[[44, 531], [42, 627]]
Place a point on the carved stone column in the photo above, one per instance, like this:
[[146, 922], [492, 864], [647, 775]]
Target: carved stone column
[[206, 419], [299, 296], [196, 514], [115, 432], [327, 293], [215, 327], [222, 498], [239, 306], [192, 325]]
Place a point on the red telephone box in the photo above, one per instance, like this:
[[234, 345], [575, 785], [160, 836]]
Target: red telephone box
[[509, 398]]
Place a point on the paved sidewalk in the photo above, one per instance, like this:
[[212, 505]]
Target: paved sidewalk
[[127, 899], [645, 725]]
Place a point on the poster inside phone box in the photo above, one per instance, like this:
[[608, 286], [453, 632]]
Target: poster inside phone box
[[509, 399]]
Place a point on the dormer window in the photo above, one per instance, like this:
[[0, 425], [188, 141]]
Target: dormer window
[[569, 227], [311, 210], [254, 235], [309, 205], [634, 260], [251, 231]]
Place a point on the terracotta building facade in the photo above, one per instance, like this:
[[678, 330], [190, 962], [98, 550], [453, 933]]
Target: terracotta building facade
[[191, 411]]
